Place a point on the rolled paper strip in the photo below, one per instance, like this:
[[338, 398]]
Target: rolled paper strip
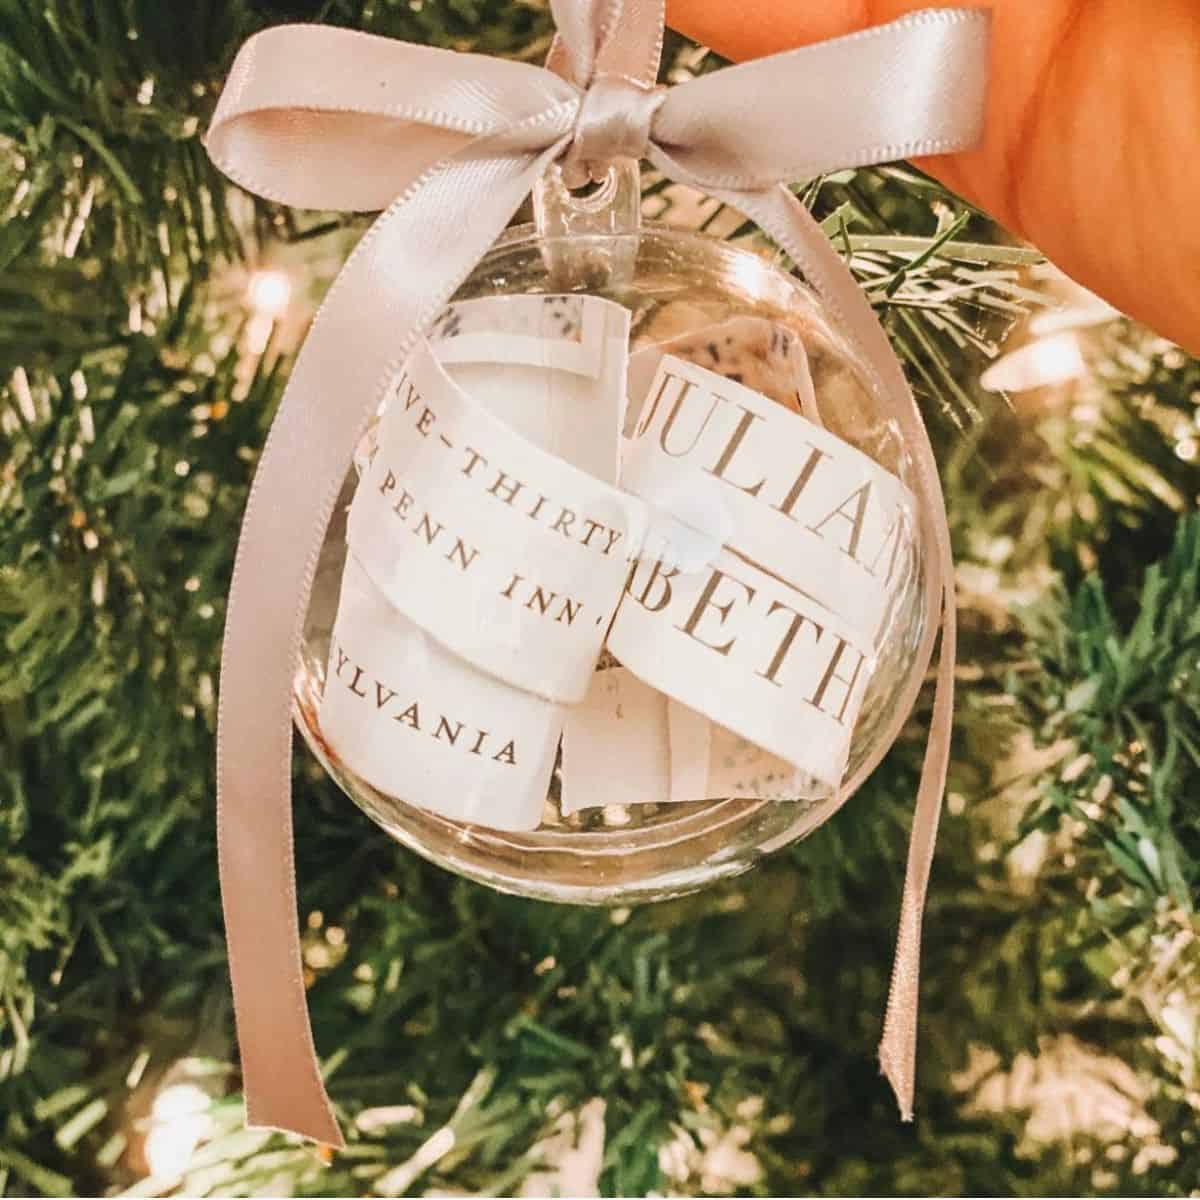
[[552, 368], [802, 503], [623, 720], [506, 555], [743, 647], [397, 706], [778, 639], [409, 716], [301, 120]]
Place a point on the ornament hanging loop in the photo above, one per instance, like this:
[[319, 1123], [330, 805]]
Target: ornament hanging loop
[[614, 122], [590, 237]]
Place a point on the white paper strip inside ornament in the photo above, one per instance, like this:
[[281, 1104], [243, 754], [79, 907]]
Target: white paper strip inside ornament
[[417, 722], [739, 768], [760, 354], [615, 745], [803, 504], [560, 385], [689, 738], [551, 367], [750, 653], [505, 554], [668, 753], [563, 332], [710, 762]]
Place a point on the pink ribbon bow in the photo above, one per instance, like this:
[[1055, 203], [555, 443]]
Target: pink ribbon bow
[[449, 145]]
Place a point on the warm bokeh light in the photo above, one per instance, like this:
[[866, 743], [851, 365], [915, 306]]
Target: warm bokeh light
[[179, 1121], [268, 292], [1049, 360]]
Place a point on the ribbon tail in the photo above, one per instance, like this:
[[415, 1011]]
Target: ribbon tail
[[781, 215], [898, 1047], [401, 274]]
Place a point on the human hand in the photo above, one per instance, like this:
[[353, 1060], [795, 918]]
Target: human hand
[[1092, 145]]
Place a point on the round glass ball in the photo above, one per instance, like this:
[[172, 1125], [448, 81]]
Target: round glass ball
[[682, 287]]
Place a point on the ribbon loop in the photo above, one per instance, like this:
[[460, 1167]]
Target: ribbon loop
[[449, 145], [326, 118], [915, 86]]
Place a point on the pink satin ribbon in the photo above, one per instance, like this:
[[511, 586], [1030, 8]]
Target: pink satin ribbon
[[449, 145]]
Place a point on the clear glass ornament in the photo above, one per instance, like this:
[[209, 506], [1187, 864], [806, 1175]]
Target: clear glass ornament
[[678, 286]]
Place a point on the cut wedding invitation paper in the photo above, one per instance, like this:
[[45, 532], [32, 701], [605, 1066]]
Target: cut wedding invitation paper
[[424, 725], [801, 502], [545, 370], [776, 639], [737, 560], [668, 752], [506, 554], [622, 720], [552, 368]]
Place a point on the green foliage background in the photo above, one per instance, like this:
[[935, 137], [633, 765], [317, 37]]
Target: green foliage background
[[730, 1034]]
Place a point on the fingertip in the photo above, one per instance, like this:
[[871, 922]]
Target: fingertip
[[752, 28]]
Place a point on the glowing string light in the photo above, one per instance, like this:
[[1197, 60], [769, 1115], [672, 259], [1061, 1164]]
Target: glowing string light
[[268, 293], [179, 1122], [1051, 360]]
